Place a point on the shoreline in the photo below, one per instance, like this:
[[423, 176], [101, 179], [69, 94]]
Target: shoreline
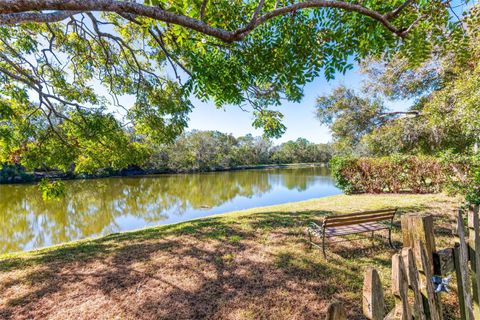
[[56, 175], [224, 215], [121, 234]]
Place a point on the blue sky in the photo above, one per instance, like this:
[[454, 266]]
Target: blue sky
[[299, 117]]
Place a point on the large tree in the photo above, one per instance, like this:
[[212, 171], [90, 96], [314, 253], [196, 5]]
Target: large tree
[[66, 66], [443, 92]]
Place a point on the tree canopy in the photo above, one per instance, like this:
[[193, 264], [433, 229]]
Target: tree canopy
[[444, 94], [66, 66]]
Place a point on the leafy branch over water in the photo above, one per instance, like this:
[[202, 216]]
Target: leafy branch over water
[[51, 190]]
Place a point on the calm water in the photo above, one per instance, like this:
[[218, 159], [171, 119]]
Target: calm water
[[97, 207]]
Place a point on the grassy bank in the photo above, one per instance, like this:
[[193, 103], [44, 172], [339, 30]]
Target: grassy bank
[[252, 264]]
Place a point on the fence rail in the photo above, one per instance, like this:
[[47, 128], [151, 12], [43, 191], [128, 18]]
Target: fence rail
[[418, 270]]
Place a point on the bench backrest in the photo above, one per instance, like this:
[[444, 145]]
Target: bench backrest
[[359, 217]]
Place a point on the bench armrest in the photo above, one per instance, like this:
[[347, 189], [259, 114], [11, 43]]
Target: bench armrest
[[313, 225]]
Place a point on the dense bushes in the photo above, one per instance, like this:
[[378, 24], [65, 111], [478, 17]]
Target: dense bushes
[[399, 173], [464, 177]]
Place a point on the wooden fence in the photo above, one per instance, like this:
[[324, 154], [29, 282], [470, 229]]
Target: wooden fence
[[414, 267]]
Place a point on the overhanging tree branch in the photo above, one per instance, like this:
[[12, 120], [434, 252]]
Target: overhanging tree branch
[[402, 114], [256, 21], [20, 11], [39, 17], [395, 12]]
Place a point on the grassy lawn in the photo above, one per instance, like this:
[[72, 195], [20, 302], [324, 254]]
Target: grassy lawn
[[252, 264]]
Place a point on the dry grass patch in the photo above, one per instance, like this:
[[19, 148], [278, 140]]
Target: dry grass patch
[[253, 264]]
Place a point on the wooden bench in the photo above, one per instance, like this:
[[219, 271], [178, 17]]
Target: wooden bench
[[352, 223]]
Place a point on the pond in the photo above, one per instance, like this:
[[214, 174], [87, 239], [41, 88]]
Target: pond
[[98, 207]]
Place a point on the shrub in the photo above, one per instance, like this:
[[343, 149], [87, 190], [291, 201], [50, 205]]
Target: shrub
[[473, 192], [403, 173], [462, 172], [343, 172]]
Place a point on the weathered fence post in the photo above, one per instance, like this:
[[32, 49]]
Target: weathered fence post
[[457, 256], [373, 299], [474, 254], [443, 263], [400, 290], [418, 229], [414, 283], [336, 311], [461, 270], [431, 301]]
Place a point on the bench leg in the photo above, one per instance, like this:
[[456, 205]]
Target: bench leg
[[309, 239], [390, 238], [323, 246]]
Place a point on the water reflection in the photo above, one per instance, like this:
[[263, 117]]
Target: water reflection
[[102, 206]]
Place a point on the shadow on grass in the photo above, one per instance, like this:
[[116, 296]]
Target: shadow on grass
[[207, 228], [247, 266]]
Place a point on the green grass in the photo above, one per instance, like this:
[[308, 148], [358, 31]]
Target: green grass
[[248, 264], [303, 210]]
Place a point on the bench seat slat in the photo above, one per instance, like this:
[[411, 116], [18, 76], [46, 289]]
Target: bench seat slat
[[349, 217], [363, 213], [352, 221], [340, 218], [358, 228]]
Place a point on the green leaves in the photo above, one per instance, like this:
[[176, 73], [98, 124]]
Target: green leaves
[[473, 192], [164, 114], [270, 121], [96, 89], [51, 190], [443, 90], [213, 150], [398, 173], [154, 2], [349, 115]]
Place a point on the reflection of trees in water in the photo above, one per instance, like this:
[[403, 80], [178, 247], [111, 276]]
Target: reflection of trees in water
[[92, 207], [28, 220], [300, 179]]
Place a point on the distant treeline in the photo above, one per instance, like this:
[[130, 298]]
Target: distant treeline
[[210, 150], [198, 151]]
